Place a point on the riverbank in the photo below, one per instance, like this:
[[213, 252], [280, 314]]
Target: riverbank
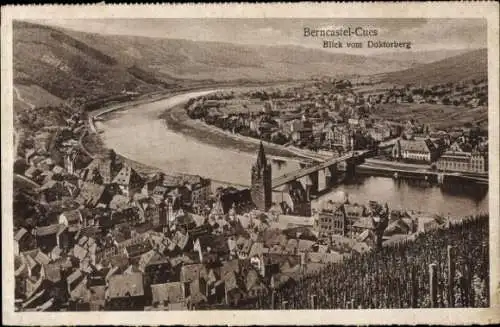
[[417, 172], [163, 149], [178, 121]]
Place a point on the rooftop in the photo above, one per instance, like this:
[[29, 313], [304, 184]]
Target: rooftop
[[126, 285]]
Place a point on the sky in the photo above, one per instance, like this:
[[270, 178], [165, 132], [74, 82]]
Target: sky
[[425, 34]]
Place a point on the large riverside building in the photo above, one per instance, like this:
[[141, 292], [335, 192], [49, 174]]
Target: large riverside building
[[415, 150], [261, 189], [472, 162]]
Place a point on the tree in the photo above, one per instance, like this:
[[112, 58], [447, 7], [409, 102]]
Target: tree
[[279, 138]]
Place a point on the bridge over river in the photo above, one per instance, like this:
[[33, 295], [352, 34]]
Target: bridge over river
[[319, 177]]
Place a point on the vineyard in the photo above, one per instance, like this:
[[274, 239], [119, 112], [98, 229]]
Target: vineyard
[[412, 274]]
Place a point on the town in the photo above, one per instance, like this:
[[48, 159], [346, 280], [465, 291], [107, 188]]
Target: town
[[329, 117], [94, 233]]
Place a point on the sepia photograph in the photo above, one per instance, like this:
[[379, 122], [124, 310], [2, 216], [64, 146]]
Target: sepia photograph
[[250, 163]]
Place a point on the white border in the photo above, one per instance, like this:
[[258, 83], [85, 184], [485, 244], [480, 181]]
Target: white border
[[487, 10]]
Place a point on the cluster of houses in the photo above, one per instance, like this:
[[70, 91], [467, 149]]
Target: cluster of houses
[[332, 119], [343, 225], [462, 150], [319, 117], [471, 94], [105, 237], [92, 233], [104, 253]]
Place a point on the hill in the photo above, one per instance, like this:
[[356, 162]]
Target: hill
[[53, 65], [185, 59], [50, 61], [421, 57], [466, 66], [64, 65]]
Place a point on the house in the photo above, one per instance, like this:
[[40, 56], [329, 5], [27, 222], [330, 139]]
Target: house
[[128, 180], [102, 170], [120, 202], [230, 197], [23, 241], [460, 147], [138, 249], [353, 212], [150, 211], [339, 136], [243, 247], [211, 245], [216, 291], [293, 198], [42, 258], [362, 225], [200, 192], [71, 217], [331, 220], [92, 195], [427, 222], [31, 267], [257, 249], [53, 273], [47, 237], [77, 288], [399, 226], [150, 182], [128, 215], [197, 292], [233, 289], [55, 190], [159, 193], [97, 298], [193, 272], [179, 242], [169, 295], [125, 292], [179, 196], [254, 284]]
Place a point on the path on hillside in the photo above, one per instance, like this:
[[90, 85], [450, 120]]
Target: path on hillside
[[20, 98]]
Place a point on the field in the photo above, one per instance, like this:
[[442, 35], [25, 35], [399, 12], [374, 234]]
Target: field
[[237, 106], [436, 115], [34, 95], [373, 89]]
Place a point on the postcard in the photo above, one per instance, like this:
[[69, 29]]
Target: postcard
[[302, 163]]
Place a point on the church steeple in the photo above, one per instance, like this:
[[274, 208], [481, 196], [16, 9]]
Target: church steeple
[[261, 189], [261, 157]]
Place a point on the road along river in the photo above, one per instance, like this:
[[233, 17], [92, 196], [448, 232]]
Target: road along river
[[138, 133]]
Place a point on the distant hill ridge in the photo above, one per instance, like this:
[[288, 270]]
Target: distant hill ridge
[[67, 64], [466, 66]]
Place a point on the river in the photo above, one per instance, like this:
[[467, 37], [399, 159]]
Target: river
[[139, 134]]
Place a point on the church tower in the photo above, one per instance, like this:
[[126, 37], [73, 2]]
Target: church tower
[[261, 188]]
